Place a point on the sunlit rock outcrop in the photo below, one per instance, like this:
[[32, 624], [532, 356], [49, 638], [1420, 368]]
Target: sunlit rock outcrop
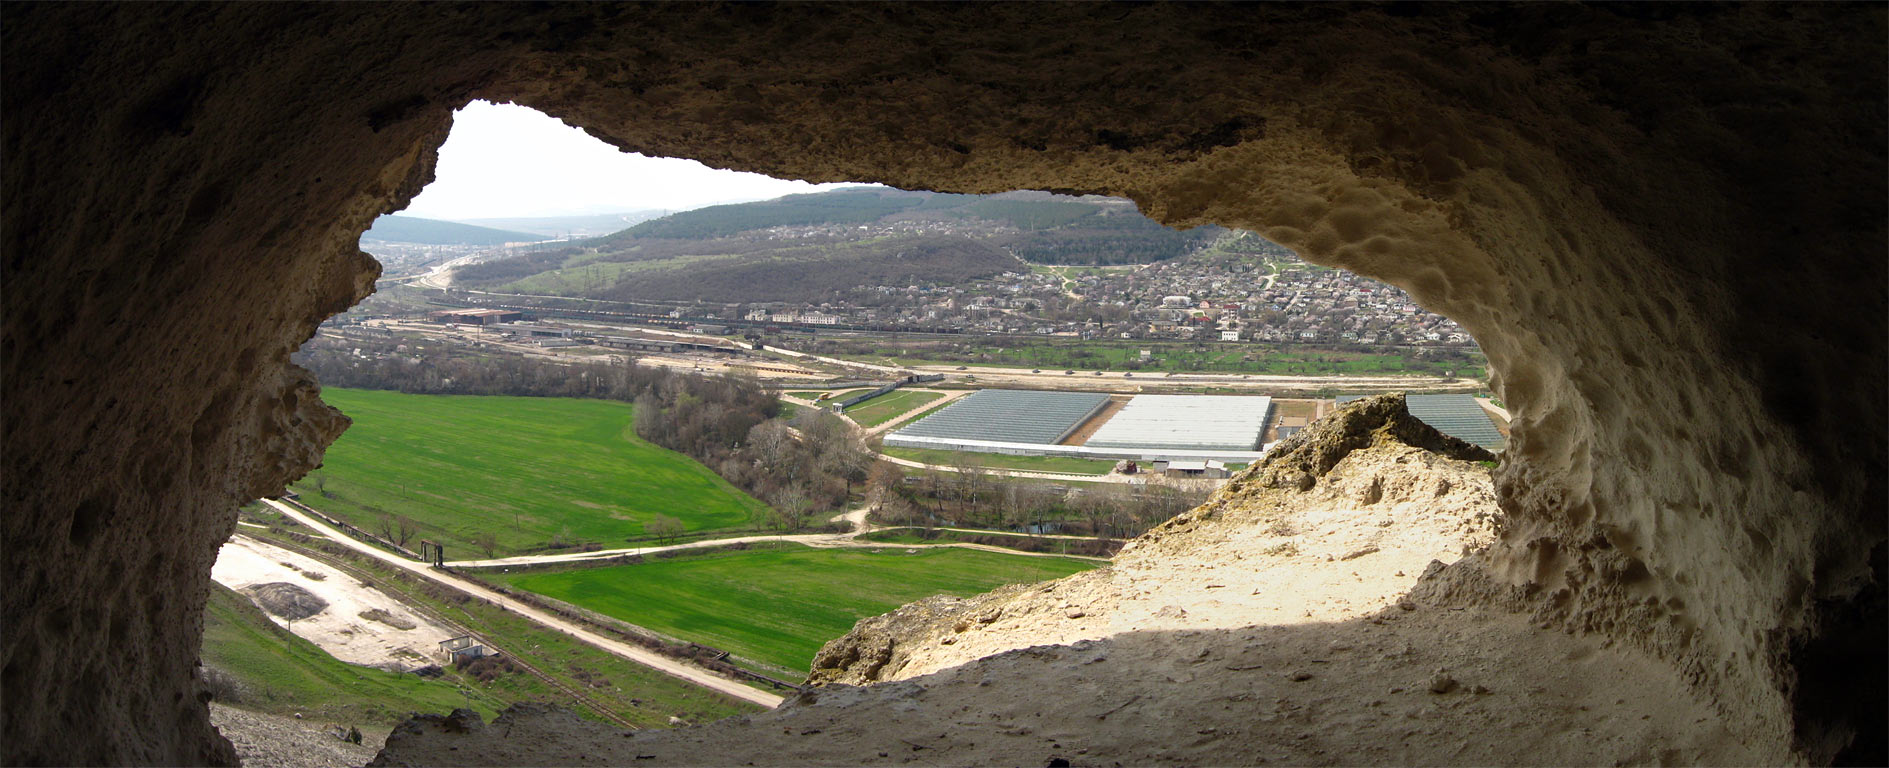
[[1664, 223]]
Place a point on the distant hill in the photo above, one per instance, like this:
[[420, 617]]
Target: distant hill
[[591, 225], [818, 246], [844, 206], [412, 229]]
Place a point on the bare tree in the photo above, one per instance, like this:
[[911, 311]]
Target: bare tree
[[487, 542], [838, 450], [404, 529], [883, 483], [772, 444], [790, 508], [663, 527]]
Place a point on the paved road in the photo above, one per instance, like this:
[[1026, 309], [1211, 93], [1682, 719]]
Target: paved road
[[885, 369], [1490, 406], [809, 539], [639, 655], [1032, 535], [818, 540], [1064, 476]]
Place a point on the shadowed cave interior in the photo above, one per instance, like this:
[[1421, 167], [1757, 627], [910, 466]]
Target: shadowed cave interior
[[1665, 225]]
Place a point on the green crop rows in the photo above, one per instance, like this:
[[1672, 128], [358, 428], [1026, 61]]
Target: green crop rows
[[529, 472], [889, 406], [774, 608]]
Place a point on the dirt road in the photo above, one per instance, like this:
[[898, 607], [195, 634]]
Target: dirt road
[[641, 656], [1071, 477]]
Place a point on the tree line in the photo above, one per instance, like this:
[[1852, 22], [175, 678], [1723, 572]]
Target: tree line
[[972, 497], [727, 422]]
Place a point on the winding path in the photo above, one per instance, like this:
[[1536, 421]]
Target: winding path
[[1063, 476], [633, 653], [642, 656]]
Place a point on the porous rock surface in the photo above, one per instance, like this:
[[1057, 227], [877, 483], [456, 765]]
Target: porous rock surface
[[289, 742], [1335, 523], [1665, 225], [1269, 625]]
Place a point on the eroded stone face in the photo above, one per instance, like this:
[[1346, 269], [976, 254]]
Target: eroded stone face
[[1666, 230]]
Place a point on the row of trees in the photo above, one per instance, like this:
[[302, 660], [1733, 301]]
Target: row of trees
[[725, 422], [434, 368], [802, 471], [974, 498]]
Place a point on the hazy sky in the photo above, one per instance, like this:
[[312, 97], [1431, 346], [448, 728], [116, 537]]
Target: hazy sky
[[503, 160]]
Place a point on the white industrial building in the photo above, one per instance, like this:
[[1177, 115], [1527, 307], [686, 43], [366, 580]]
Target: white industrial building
[[1198, 428], [1186, 423]]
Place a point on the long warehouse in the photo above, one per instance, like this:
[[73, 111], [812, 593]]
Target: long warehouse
[[1187, 423], [1010, 416]]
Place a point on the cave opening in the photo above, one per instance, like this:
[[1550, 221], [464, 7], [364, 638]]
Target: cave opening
[[323, 487], [1661, 228]]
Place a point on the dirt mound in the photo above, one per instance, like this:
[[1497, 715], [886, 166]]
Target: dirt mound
[[1298, 460], [286, 600], [1336, 522], [390, 619]]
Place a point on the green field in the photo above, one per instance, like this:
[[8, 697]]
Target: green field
[[1003, 461], [641, 695], [268, 669], [774, 608], [526, 470], [889, 406]]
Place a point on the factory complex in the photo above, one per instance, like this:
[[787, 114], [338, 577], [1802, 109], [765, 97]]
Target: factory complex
[[1096, 426], [1230, 429]]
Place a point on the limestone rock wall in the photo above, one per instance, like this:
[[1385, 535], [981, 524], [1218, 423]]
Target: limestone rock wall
[[1664, 224]]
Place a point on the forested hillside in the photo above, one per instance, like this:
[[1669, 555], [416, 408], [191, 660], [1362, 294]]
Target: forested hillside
[[809, 248], [813, 273]]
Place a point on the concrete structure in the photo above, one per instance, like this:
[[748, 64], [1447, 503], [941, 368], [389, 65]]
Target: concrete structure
[[537, 330], [1208, 468], [477, 316], [461, 648]]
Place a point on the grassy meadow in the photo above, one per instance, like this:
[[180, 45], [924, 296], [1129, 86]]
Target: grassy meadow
[[889, 406], [265, 668], [526, 471], [643, 696], [775, 607]]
